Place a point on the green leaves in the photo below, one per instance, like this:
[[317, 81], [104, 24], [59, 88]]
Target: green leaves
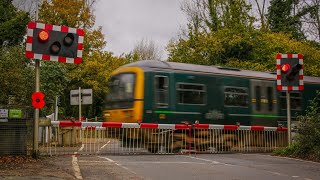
[[12, 24], [16, 77]]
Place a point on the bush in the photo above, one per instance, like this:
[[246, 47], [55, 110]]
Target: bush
[[306, 144]]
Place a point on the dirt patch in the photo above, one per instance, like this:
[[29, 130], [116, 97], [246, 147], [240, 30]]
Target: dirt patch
[[43, 168]]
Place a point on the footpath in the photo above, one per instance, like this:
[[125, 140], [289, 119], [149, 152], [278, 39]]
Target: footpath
[[19, 167]]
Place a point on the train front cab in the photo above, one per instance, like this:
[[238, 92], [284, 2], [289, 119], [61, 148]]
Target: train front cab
[[124, 101]]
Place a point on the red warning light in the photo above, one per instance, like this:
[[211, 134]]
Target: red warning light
[[285, 68], [43, 35]]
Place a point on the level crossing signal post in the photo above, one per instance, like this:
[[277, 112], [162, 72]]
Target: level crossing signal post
[[289, 78], [51, 43]]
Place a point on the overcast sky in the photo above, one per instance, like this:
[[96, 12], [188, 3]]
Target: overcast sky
[[127, 22]]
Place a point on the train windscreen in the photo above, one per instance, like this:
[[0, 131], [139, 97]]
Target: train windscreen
[[121, 91]]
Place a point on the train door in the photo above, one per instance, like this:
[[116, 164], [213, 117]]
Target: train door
[[264, 103], [161, 97]]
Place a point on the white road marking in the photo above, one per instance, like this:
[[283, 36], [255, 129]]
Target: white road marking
[[81, 148], [208, 160], [110, 160], [159, 162], [103, 146], [295, 176], [76, 168], [276, 173], [84, 161]]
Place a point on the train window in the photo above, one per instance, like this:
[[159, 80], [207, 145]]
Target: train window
[[121, 91], [161, 91], [270, 92], [191, 93], [235, 96], [258, 98], [295, 100]]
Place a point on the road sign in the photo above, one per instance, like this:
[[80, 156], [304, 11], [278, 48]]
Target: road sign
[[15, 113], [86, 96], [54, 43], [4, 113], [290, 72]]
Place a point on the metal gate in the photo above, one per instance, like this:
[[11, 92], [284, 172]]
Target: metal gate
[[66, 137]]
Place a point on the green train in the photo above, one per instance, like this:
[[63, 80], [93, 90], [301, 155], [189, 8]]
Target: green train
[[172, 93]]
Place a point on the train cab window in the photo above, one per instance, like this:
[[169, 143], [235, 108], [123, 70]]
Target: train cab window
[[295, 100], [161, 91], [121, 91], [235, 96], [191, 93]]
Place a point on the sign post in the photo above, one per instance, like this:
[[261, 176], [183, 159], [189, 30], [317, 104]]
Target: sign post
[[51, 43], [80, 97], [289, 78]]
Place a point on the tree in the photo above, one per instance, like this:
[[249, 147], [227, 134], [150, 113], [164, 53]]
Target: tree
[[281, 18], [146, 50], [311, 21], [213, 15], [16, 76], [12, 24], [261, 7]]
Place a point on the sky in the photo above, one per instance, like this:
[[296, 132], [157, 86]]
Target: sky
[[127, 22]]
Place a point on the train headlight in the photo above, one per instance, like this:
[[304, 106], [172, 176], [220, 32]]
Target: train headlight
[[106, 115]]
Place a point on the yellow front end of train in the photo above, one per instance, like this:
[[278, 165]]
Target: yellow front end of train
[[124, 102]]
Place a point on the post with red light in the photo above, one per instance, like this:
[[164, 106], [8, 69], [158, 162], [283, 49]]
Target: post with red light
[[50, 43], [289, 78]]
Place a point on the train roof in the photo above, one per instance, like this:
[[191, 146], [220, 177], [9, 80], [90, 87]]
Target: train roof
[[195, 68]]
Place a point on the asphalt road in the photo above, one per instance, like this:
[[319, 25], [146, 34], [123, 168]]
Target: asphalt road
[[191, 167]]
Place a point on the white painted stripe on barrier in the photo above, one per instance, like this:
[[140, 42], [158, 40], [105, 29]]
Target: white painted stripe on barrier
[[130, 125], [101, 128], [166, 126], [278, 82], [244, 128], [214, 126], [295, 88], [55, 123], [85, 124], [278, 71], [278, 61], [294, 55], [270, 129]]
